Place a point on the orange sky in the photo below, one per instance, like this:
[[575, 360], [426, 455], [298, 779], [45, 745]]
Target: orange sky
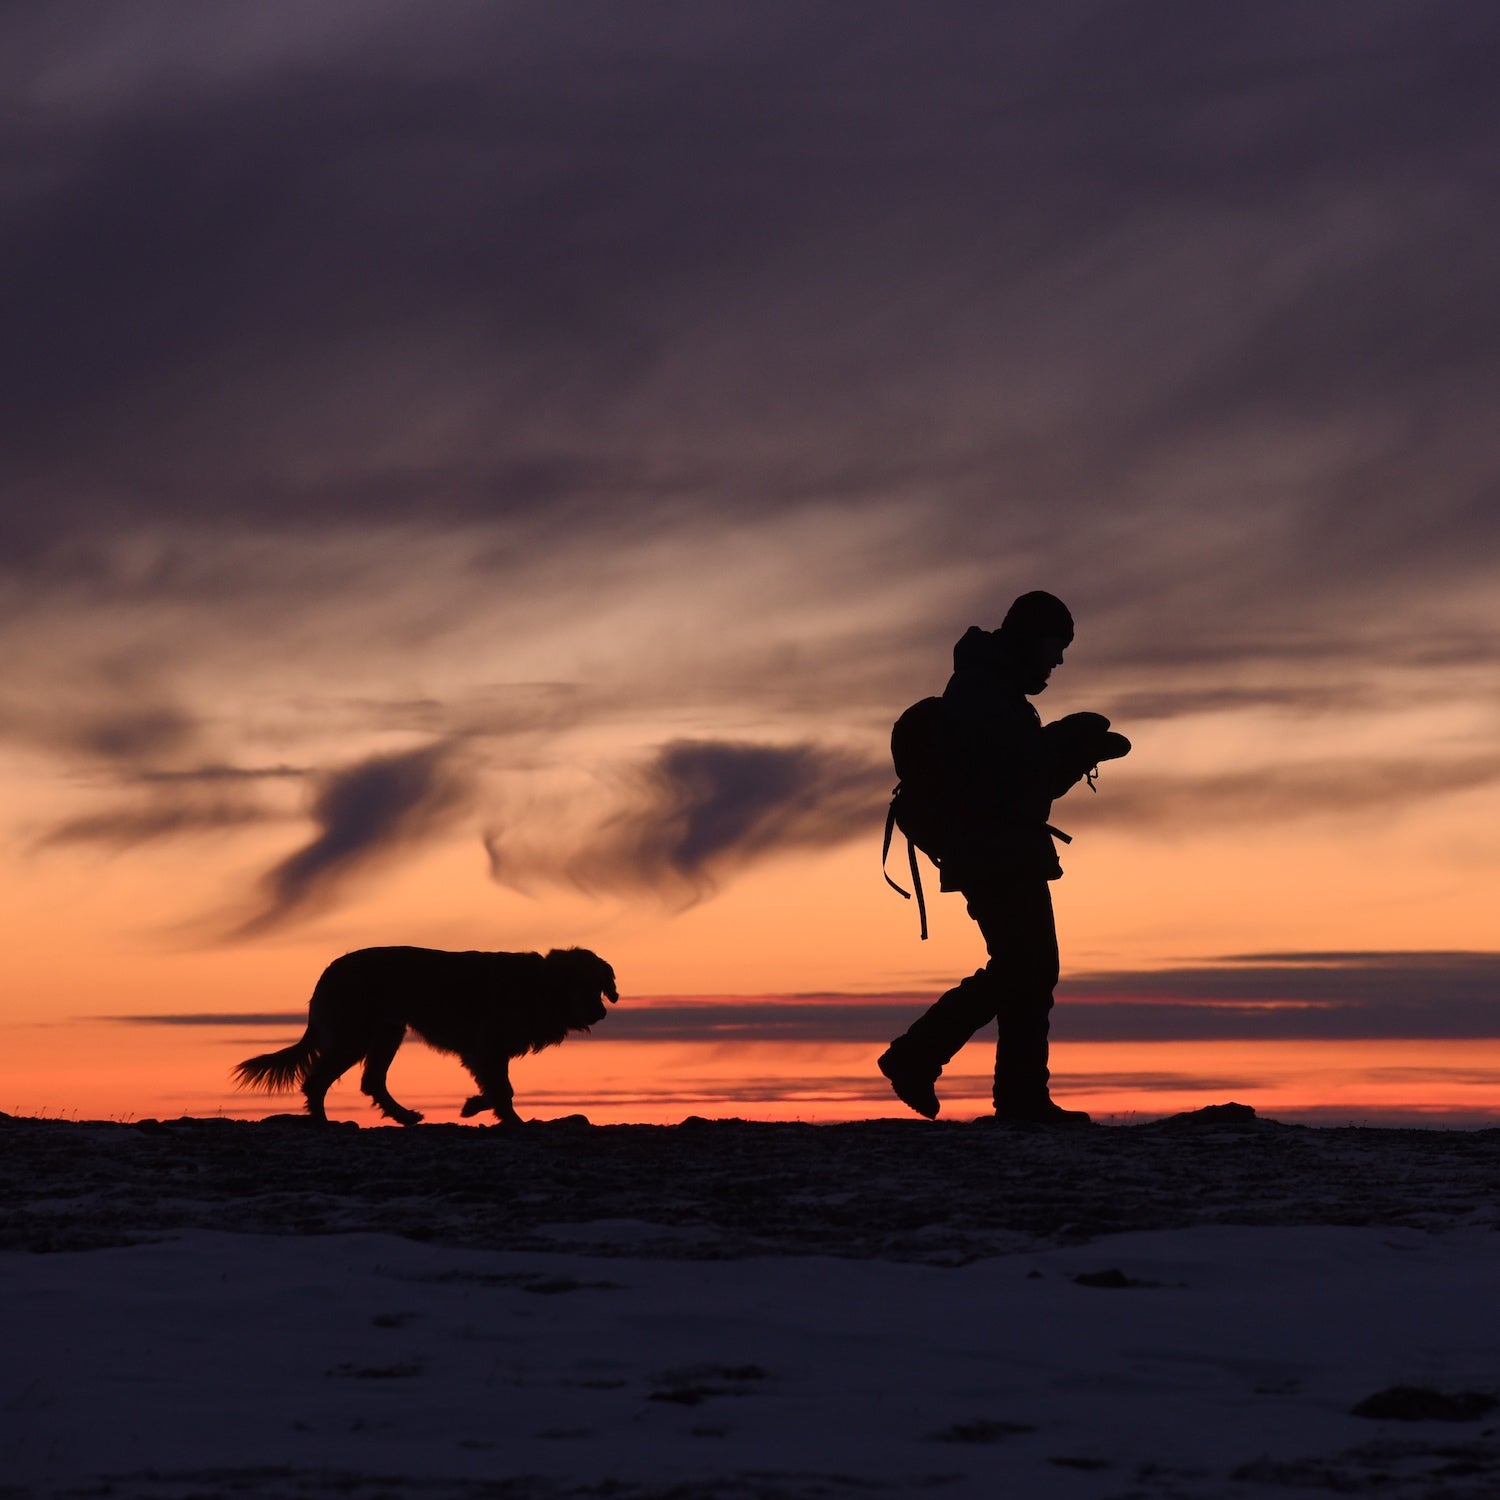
[[122, 936], [466, 484]]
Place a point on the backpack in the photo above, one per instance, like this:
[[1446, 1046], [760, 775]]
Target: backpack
[[1074, 746], [919, 752]]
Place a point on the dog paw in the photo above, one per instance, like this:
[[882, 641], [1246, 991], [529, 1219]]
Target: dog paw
[[474, 1106]]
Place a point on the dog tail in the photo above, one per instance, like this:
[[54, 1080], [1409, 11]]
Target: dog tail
[[279, 1072]]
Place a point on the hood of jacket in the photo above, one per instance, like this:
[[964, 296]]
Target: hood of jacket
[[977, 651]]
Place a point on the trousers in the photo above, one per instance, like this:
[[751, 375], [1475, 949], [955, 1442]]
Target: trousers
[[1013, 989]]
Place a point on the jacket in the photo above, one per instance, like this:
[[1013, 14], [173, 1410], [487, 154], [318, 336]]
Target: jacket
[[1000, 782]]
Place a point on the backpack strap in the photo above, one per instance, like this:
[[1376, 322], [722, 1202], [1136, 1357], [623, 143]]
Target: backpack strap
[[911, 859], [885, 848], [916, 881]]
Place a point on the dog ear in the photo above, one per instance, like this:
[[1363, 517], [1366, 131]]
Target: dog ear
[[604, 975], [585, 967], [607, 986]]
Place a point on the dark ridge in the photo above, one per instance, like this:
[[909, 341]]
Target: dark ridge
[[943, 1193]]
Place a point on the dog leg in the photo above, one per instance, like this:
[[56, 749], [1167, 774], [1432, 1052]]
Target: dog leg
[[326, 1070], [373, 1082], [495, 1092]]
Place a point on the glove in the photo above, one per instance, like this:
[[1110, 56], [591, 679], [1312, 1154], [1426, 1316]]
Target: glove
[[1074, 746]]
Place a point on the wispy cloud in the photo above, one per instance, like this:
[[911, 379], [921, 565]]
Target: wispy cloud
[[1250, 997], [159, 818], [1291, 995], [825, 300], [1287, 793], [278, 1018], [1271, 997], [150, 803], [364, 814], [1441, 977], [361, 362], [706, 806], [134, 735]]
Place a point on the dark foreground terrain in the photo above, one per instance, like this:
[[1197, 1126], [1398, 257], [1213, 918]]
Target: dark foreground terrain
[[941, 1193]]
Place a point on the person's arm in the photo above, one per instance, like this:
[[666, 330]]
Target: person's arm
[[1073, 747]]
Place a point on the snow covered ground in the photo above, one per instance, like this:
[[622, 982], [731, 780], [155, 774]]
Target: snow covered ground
[[568, 1348]]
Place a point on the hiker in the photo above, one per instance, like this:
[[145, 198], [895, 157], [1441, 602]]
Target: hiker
[[993, 779]]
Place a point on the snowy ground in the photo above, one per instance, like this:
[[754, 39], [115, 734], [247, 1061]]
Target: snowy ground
[[1193, 1308]]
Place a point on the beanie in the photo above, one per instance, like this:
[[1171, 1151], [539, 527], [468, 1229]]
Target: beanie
[[1037, 614]]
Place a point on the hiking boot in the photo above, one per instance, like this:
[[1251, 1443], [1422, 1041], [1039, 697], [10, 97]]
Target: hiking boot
[[1042, 1112], [913, 1082]]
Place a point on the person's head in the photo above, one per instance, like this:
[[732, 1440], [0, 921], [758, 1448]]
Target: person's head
[[1036, 631]]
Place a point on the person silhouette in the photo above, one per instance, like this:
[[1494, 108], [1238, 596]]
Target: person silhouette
[[1001, 772]]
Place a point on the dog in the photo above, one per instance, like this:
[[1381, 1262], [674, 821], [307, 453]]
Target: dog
[[485, 1007]]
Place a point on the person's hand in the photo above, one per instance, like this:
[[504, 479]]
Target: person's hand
[[1075, 745]]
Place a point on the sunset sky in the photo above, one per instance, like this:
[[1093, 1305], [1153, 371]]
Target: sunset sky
[[487, 475]]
